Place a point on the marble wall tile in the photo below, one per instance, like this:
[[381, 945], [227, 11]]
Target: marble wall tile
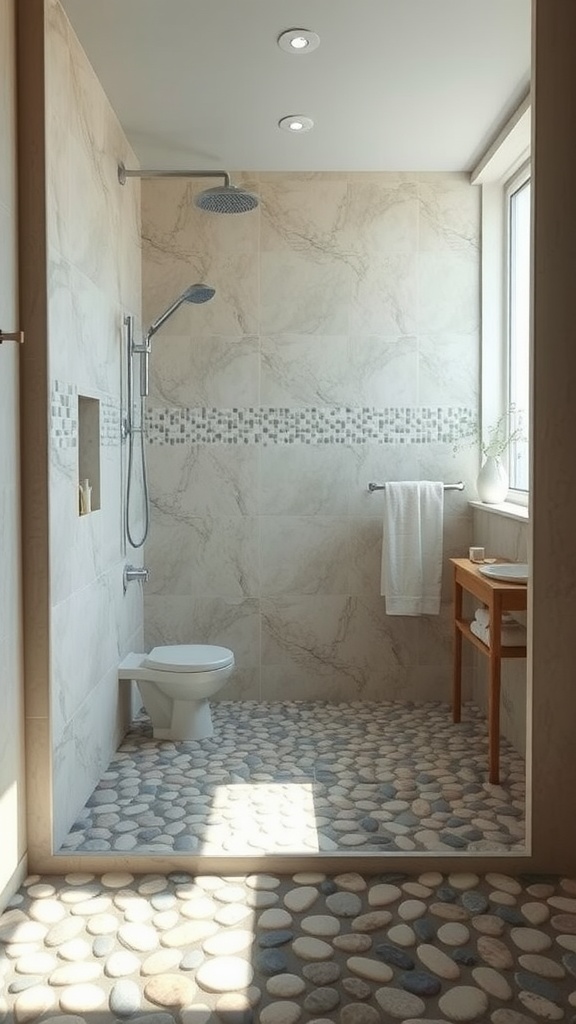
[[212, 555], [449, 213], [304, 555], [194, 480], [88, 622], [304, 370], [233, 311], [83, 751], [305, 480], [198, 370], [381, 216], [305, 294], [449, 369], [384, 371], [346, 643], [365, 541], [303, 217], [385, 298], [448, 287], [86, 328]]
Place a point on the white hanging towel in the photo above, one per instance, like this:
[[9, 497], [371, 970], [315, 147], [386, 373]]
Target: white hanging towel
[[412, 547]]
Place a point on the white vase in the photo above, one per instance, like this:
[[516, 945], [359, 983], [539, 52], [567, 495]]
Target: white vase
[[492, 483]]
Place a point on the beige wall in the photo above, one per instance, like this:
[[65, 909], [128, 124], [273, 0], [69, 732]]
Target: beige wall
[[12, 785]]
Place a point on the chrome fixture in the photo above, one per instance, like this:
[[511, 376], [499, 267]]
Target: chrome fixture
[[447, 487], [196, 294], [134, 572], [224, 198]]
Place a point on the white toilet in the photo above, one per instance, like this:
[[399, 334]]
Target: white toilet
[[175, 684]]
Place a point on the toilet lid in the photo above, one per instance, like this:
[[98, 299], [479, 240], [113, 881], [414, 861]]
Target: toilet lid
[[189, 658]]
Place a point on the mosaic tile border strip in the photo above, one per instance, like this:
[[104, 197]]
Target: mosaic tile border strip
[[64, 417], [333, 425]]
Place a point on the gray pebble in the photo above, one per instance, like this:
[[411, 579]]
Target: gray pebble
[[186, 843], [420, 983], [511, 916], [324, 973], [21, 984], [539, 986], [103, 945], [271, 961], [268, 940], [369, 824], [456, 842], [446, 894], [356, 988], [475, 902], [394, 956], [190, 961], [569, 961], [464, 956], [321, 1000], [425, 929], [125, 998], [344, 904]]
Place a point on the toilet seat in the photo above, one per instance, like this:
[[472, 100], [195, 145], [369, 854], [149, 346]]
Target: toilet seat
[[188, 658]]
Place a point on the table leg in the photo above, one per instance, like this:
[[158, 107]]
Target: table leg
[[494, 692], [457, 674]]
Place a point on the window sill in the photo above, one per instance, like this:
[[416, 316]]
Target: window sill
[[506, 509]]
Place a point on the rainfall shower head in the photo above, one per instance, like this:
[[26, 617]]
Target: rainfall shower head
[[196, 293], [226, 199]]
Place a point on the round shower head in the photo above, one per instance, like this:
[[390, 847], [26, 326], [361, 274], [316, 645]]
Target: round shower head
[[199, 293], [226, 199]]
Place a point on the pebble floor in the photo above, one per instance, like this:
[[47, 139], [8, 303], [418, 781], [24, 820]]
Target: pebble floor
[[309, 776], [267, 949]]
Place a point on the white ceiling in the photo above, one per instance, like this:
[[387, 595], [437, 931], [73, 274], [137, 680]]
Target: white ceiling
[[415, 85]]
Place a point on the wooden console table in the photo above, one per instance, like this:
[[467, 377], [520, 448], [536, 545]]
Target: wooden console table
[[499, 597]]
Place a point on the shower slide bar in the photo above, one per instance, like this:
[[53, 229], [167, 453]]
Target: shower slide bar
[[447, 487]]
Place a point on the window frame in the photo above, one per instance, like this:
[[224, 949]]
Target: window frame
[[506, 157], [520, 177]]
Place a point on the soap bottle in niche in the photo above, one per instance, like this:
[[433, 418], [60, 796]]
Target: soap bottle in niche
[[85, 494]]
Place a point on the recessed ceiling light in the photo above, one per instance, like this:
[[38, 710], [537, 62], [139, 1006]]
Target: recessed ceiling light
[[296, 123], [298, 40]]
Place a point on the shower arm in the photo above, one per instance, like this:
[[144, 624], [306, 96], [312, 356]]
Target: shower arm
[[123, 173]]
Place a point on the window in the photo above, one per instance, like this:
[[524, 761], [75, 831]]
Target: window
[[518, 325], [504, 176]]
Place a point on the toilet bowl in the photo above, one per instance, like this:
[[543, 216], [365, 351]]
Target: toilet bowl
[[175, 684]]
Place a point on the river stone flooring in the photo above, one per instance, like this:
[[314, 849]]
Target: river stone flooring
[[347, 949], [309, 776]]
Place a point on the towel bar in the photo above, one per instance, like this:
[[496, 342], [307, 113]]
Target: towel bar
[[447, 487]]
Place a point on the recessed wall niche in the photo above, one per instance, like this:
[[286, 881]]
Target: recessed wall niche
[[88, 454]]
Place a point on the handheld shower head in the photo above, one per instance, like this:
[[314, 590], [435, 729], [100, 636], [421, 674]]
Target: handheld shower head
[[226, 199], [196, 293]]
